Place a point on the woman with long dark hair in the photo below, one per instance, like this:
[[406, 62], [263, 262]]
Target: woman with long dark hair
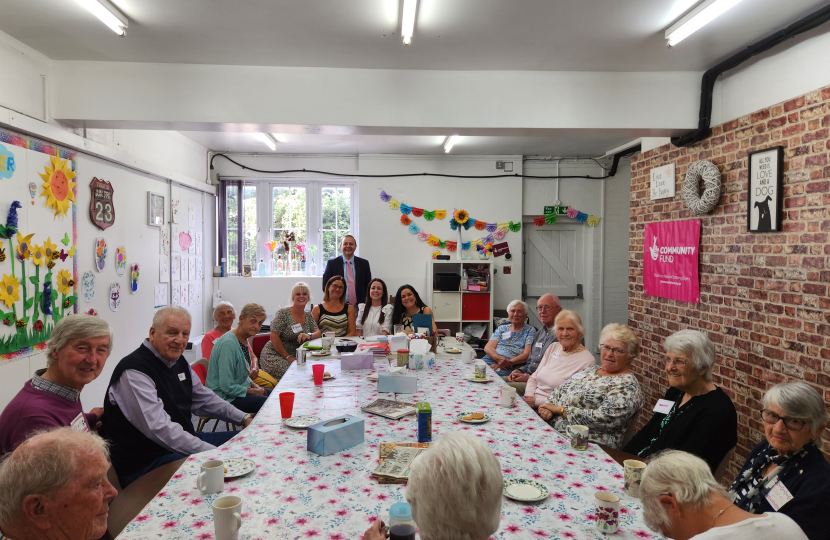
[[407, 304], [374, 318]]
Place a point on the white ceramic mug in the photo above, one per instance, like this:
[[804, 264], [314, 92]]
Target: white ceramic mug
[[633, 476], [459, 337], [507, 396], [579, 436], [467, 356], [211, 477], [227, 517], [607, 511]]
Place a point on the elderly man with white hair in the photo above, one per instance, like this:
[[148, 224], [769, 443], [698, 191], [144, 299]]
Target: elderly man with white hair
[[455, 491], [75, 355], [150, 399], [509, 346], [54, 485], [681, 500]]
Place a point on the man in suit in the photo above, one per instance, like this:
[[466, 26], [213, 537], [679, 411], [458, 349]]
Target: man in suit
[[354, 270]]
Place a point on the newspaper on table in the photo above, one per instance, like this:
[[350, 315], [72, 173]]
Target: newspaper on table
[[396, 463], [387, 408]]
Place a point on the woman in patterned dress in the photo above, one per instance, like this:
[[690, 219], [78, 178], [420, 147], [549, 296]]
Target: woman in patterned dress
[[605, 400], [335, 314], [290, 328]]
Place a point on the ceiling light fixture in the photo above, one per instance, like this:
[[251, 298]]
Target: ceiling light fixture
[[451, 140], [706, 12], [408, 20], [108, 15], [267, 139]]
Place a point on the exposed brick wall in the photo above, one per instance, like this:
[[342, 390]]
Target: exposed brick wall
[[763, 297]]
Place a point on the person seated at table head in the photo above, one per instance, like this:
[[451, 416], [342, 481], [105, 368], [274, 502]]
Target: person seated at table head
[[224, 314], [75, 355], [548, 307], [151, 397], [355, 271], [789, 461], [407, 304], [682, 500], [510, 344], [562, 359], [604, 398], [694, 415], [54, 485], [374, 317], [335, 314], [230, 363], [455, 491], [291, 327]]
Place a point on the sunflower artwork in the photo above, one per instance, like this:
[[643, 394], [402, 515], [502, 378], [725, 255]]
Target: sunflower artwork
[[58, 187]]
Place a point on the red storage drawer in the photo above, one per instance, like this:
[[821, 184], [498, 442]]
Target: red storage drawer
[[475, 306]]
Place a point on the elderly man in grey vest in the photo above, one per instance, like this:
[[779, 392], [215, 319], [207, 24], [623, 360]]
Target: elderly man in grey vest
[[548, 307]]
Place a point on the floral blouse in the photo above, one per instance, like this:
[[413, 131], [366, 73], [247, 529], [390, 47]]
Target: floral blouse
[[269, 359], [605, 404]]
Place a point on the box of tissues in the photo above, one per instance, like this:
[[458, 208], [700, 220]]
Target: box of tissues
[[357, 360], [334, 435], [399, 383], [421, 361]]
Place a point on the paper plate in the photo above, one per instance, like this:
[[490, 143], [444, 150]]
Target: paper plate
[[460, 416], [522, 489], [301, 422], [235, 467], [479, 380]]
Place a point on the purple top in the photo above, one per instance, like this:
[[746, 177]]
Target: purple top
[[33, 409]]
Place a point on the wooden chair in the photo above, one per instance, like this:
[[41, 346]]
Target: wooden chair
[[200, 368], [724, 463]]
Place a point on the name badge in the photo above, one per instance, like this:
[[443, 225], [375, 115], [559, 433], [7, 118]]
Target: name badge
[[79, 423], [578, 376], [182, 376], [506, 335], [778, 496], [538, 345], [297, 328], [664, 406]]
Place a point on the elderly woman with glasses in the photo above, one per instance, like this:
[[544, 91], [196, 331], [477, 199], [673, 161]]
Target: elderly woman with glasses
[[787, 472], [605, 399], [695, 415]]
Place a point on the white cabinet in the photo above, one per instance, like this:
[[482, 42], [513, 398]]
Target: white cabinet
[[454, 308]]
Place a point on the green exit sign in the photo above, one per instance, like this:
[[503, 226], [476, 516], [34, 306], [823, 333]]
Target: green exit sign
[[561, 210]]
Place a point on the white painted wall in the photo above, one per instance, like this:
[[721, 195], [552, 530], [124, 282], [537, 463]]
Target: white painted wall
[[615, 246], [272, 292]]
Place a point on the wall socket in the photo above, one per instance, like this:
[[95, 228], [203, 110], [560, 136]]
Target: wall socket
[[506, 166], [500, 164]]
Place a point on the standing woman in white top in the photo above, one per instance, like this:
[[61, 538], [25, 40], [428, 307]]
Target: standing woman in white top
[[377, 319]]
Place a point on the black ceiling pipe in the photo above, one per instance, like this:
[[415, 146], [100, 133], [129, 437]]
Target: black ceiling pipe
[[621, 154], [809, 22]]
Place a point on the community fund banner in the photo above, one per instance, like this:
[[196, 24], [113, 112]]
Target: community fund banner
[[670, 260]]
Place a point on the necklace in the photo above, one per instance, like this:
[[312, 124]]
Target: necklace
[[720, 514], [578, 349]]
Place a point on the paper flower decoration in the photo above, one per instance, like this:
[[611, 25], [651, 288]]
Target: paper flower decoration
[[433, 240], [465, 246], [442, 244], [499, 234], [272, 245], [23, 246], [423, 236], [440, 214], [406, 209], [593, 221], [480, 225], [58, 184], [417, 212], [453, 224], [515, 227], [581, 217], [452, 246], [414, 229], [572, 212], [385, 197], [405, 219], [39, 256], [539, 221], [550, 219], [10, 228], [47, 298], [490, 227], [435, 254], [394, 203], [429, 215], [65, 281], [9, 290], [461, 216]]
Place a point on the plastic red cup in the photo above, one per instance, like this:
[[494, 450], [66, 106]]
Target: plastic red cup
[[286, 404], [318, 374]]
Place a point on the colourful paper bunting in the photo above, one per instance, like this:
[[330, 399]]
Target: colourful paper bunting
[[429, 215], [550, 219], [452, 246], [414, 229], [417, 212], [581, 217], [499, 234], [405, 219], [385, 197], [480, 225], [539, 221], [406, 209], [440, 214], [572, 212], [515, 227], [394, 203], [465, 246], [593, 221]]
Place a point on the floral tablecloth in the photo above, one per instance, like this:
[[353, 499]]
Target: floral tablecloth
[[294, 493]]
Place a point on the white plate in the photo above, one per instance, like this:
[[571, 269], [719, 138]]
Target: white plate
[[479, 380], [460, 416], [301, 422], [238, 467], [372, 377], [522, 489], [324, 377], [452, 351], [319, 353]]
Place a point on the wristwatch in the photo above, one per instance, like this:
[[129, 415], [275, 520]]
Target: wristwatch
[[246, 417]]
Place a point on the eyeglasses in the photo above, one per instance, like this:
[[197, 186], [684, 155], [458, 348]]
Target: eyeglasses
[[617, 352], [336, 287], [545, 309], [771, 418], [677, 363]]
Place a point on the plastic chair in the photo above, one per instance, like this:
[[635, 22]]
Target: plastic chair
[[259, 342], [444, 332], [200, 368], [724, 463]]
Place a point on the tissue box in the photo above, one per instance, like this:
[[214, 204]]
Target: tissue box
[[357, 360], [399, 384], [421, 361], [336, 434]]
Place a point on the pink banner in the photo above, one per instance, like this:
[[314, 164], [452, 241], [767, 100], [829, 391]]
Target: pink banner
[[670, 260]]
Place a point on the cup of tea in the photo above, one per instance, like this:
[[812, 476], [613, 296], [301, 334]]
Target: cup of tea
[[633, 476], [480, 370], [227, 517], [467, 356], [211, 477], [507, 396], [607, 511], [579, 437], [326, 341], [459, 337]]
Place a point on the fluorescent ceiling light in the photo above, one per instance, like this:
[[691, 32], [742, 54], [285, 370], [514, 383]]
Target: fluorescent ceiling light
[[108, 15], [706, 12], [266, 138], [451, 140], [281, 137], [408, 20]]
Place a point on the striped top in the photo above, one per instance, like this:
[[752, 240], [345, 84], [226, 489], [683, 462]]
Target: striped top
[[337, 322]]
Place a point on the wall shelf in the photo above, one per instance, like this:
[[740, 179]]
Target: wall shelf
[[453, 309]]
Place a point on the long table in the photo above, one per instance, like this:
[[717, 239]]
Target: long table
[[294, 493]]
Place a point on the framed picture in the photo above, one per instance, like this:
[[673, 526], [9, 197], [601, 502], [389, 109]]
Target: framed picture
[[246, 270], [765, 201], [155, 209]]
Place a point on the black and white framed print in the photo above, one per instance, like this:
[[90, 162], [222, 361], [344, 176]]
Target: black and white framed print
[[765, 201]]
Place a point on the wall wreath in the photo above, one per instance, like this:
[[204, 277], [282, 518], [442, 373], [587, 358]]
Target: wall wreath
[[709, 173]]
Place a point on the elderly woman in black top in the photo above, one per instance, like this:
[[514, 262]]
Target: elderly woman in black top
[[788, 464], [695, 415]]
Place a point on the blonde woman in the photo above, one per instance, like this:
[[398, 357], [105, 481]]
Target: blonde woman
[[290, 328]]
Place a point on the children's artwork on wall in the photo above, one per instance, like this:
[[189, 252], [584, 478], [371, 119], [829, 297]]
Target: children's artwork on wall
[[160, 295], [197, 293], [91, 312], [192, 248], [100, 253], [32, 190], [58, 187], [176, 297], [134, 272], [155, 209], [184, 302], [120, 260], [191, 294], [175, 271], [101, 204], [88, 286], [198, 242], [164, 270], [174, 238], [185, 240], [115, 296], [174, 209], [191, 268], [164, 241], [198, 268], [191, 216]]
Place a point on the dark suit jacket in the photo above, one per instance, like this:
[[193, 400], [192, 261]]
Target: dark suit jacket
[[362, 274]]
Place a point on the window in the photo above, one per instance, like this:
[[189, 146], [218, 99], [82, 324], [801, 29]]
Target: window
[[318, 214]]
